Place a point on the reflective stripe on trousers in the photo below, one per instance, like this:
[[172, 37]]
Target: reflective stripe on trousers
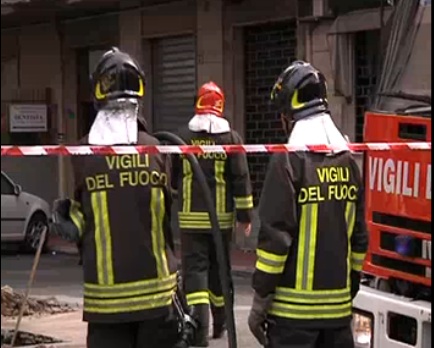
[[245, 202], [205, 297], [198, 297]]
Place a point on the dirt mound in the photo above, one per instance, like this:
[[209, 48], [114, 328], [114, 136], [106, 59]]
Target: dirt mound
[[27, 339], [12, 300]]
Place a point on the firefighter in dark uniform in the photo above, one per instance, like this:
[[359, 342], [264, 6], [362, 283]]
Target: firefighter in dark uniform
[[121, 208], [229, 181], [313, 238]]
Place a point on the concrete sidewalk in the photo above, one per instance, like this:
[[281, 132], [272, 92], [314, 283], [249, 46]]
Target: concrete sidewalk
[[242, 261]]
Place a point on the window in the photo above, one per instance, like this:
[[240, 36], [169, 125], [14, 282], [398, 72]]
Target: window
[[402, 328], [7, 188], [367, 45]]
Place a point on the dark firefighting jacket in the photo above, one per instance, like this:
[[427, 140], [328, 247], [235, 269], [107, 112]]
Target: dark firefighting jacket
[[121, 208], [228, 179], [312, 235]]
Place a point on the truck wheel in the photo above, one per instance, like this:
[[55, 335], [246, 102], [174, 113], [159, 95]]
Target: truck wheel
[[34, 230]]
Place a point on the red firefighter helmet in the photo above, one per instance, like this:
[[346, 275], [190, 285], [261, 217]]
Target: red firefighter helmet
[[210, 100]]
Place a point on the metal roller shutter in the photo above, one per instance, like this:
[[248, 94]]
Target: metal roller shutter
[[174, 81], [269, 48]]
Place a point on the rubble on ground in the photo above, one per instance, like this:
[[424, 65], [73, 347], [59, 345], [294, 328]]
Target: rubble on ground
[[12, 301], [27, 339]]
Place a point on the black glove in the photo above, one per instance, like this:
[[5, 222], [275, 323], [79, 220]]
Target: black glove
[[62, 224], [355, 283], [258, 317]]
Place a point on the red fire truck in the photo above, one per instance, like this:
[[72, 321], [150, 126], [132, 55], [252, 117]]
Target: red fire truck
[[393, 307]]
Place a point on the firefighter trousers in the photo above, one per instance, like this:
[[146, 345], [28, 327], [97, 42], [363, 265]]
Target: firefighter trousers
[[282, 336], [160, 332], [200, 271]]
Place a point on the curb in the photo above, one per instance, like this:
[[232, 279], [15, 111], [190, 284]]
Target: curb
[[59, 249], [242, 273], [56, 345], [62, 252]]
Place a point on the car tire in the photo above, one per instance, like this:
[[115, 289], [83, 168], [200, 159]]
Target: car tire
[[36, 225]]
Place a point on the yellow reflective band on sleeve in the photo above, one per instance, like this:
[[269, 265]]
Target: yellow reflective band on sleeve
[[131, 304], [187, 181], [244, 202], [312, 296], [219, 168], [158, 241], [77, 216], [216, 301], [357, 260], [131, 289], [199, 297], [306, 246], [270, 263], [103, 241], [200, 220], [313, 311]]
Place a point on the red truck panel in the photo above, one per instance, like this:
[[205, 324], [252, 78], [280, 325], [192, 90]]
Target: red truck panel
[[398, 199]]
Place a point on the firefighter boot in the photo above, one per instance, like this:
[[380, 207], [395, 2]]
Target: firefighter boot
[[201, 314], [219, 322]]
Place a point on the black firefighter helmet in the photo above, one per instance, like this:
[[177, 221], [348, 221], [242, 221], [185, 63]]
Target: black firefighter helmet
[[117, 75], [300, 91]]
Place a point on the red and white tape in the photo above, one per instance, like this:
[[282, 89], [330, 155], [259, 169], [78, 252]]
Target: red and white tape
[[60, 150]]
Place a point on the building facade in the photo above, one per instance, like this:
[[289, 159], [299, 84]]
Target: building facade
[[47, 57]]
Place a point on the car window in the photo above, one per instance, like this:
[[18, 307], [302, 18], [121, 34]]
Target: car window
[[7, 188]]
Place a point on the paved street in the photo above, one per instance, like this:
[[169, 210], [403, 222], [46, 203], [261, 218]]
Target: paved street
[[60, 276]]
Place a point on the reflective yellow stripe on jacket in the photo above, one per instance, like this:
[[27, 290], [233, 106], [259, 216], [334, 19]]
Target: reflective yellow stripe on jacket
[[311, 304], [103, 242], [219, 171], [131, 289], [312, 296], [187, 181], [306, 247], [128, 304], [108, 297], [158, 213], [311, 312], [200, 220]]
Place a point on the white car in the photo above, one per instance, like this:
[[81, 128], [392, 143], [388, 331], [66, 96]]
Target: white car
[[23, 215]]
